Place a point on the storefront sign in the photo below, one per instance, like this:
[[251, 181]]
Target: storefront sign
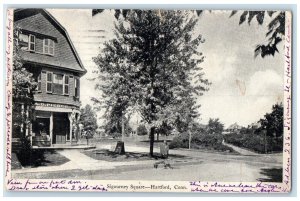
[[55, 105]]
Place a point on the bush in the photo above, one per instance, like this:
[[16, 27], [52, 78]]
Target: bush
[[142, 130], [180, 141], [200, 140], [28, 156], [255, 142], [207, 140]]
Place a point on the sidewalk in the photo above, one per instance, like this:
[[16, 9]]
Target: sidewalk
[[79, 160]]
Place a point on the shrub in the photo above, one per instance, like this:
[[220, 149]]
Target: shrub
[[28, 156], [142, 130], [200, 140], [180, 141], [207, 140], [255, 142]]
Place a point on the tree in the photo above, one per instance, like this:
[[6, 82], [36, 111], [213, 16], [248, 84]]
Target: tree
[[142, 130], [275, 34], [276, 29], [214, 126], [23, 87], [273, 122], [152, 65], [88, 119], [113, 126]]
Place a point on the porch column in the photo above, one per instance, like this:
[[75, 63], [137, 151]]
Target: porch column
[[22, 116], [51, 127], [26, 118], [71, 126], [78, 130]]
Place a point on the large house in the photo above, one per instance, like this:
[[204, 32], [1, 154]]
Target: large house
[[50, 55]]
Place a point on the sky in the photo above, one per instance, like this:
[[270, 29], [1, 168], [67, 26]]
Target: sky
[[243, 88]]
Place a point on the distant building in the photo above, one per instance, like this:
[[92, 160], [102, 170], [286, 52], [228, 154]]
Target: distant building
[[255, 125], [233, 128], [49, 54]]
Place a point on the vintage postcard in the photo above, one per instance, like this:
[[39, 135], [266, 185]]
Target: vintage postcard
[[129, 100]]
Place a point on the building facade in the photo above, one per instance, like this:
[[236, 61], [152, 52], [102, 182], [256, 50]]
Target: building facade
[[49, 54]]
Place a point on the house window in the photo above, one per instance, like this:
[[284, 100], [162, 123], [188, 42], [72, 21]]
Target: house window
[[66, 85], [31, 43], [49, 82], [39, 81], [23, 41], [76, 87], [58, 84], [48, 47]]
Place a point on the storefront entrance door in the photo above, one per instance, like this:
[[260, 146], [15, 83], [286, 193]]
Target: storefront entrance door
[[61, 126]]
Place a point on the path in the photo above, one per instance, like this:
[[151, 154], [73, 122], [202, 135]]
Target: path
[[241, 150]]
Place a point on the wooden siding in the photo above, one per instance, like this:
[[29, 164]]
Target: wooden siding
[[38, 22]]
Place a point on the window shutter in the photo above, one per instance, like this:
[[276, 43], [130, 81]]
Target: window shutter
[[77, 87], [51, 47], [66, 85], [49, 81], [31, 45], [39, 82]]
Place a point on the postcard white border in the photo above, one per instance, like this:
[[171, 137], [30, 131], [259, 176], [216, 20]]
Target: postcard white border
[[150, 186]]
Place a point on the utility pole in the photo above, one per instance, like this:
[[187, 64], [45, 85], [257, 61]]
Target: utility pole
[[190, 139], [189, 130]]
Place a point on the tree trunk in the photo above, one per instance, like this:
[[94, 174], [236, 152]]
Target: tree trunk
[[157, 139], [123, 128], [151, 141]]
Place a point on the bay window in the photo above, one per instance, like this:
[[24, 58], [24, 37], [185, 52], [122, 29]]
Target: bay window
[[58, 83]]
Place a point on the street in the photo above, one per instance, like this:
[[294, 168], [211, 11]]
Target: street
[[192, 165]]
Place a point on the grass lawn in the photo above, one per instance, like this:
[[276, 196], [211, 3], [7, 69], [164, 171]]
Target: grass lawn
[[43, 158], [107, 155], [15, 163]]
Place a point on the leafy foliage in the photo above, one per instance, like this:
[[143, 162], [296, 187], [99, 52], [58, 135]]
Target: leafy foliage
[[215, 126], [23, 82], [142, 130], [152, 66], [257, 142], [268, 137], [273, 122], [23, 87], [28, 156], [275, 32], [200, 139], [88, 119], [124, 12], [113, 126]]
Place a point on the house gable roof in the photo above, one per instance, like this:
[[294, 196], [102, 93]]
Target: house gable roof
[[21, 13]]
